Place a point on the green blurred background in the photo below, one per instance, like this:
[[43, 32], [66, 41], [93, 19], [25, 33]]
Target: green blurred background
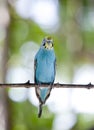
[[23, 25]]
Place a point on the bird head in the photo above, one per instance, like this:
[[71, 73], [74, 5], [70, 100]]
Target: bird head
[[47, 43]]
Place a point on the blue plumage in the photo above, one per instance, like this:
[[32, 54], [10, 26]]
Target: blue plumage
[[44, 70]]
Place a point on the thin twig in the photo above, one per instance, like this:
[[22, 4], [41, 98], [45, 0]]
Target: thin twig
[[56, 85]]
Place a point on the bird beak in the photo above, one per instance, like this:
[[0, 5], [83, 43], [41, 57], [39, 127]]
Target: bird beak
[[48, 45]]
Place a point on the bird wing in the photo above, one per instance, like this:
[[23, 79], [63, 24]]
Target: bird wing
[[37, 88], [54, 68], [35, 64]]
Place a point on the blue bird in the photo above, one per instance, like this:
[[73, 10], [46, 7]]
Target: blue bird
[[44, 71]]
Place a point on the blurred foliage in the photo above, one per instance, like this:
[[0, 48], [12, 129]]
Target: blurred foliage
[[84, 122], [24, 117]]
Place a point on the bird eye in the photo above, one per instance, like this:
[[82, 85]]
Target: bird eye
[[44, 44]]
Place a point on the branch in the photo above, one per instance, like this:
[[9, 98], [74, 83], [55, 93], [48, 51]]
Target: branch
[[56, 85]]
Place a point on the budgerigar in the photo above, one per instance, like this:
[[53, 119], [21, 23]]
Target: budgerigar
[[44, 73]]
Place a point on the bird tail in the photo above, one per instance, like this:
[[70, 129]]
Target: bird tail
[[40, 110], [42, 94]]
